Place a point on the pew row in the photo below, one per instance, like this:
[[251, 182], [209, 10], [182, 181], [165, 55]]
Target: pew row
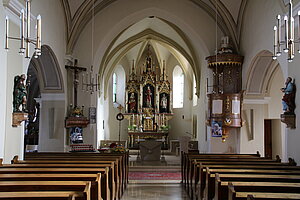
[[83, 187]]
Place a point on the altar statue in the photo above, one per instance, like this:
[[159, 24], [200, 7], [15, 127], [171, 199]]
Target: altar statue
[[288, 99], [19, 94], [164, 103], [148, 97], [132, 103]]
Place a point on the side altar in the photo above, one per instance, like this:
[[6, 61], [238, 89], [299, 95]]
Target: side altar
[[148, 104]]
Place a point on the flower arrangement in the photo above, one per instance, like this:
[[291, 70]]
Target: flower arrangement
[[118, 149], [164, 127]]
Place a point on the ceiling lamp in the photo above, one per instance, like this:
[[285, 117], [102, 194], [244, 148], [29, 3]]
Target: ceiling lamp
[[25, 28], [90, 81], [289, 37]]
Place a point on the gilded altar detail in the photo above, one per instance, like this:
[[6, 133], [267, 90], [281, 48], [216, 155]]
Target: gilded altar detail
[[148, 101]]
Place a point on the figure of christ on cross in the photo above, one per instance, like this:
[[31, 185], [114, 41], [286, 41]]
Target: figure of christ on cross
[[76, 70]]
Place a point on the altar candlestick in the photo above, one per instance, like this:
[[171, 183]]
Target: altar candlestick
[[6, 32]]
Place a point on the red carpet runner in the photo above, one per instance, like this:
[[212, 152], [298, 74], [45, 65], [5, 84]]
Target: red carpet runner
[[154, 176]]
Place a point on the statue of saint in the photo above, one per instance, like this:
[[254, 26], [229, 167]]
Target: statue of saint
[[132, 103], [19, 94], [288, 99], [148, 97], [164, 103]]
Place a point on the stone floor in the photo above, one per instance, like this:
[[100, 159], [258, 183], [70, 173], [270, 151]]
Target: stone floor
[[157, 190], [154, 192]]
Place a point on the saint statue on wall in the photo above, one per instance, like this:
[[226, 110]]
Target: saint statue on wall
[[288, 99], [132, 103], [19, 94]]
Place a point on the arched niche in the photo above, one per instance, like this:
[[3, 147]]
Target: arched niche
[[260, 73], [48, 71]]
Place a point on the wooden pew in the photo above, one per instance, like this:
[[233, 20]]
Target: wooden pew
[[121, 170], [96, 180], [104, 172], [34, 186], [287, 191], [222, 180], [117, 172], [206, 180], [42, 195], [188, 159], [185, 159], [124, 159], [112, 184], [194, 177], [210, 180]]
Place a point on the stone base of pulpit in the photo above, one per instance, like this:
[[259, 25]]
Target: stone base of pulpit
[[150, 150]]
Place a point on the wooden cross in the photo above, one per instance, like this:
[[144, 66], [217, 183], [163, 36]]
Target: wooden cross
[[76, 71]]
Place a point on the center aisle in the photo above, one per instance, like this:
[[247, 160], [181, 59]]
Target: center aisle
[[155, 180]]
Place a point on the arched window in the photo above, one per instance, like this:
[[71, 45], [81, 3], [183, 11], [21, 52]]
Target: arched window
[[114, 87], [178, 87]]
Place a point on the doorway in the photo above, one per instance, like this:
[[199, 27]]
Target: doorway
[[268, 138]]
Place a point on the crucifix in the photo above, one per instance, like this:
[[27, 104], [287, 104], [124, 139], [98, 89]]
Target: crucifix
[[76, 71]]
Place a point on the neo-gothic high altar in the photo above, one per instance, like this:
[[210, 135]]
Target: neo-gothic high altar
[[148, 103]]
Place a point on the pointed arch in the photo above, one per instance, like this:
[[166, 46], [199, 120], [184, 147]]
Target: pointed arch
[[260, 73], [48, 71]]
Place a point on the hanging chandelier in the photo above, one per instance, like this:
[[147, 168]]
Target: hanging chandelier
[[289, 37], [90, 81], [25, 29]]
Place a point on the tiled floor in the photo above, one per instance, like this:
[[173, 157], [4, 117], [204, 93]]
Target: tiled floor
[[157, 189], [155, 192]]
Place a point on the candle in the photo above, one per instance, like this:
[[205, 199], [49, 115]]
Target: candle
[[28, 27], [22, 31], [39, 25], [299, 29], [286, 33], [278, 34], [292, 44], [6, 32], [275, 39]]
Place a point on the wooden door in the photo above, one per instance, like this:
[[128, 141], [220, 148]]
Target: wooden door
[[268, 138]]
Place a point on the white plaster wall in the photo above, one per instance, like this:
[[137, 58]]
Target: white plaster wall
[[257, 144], [53, 35], [181, 123], [256, 35], [293, 136], [276, 138], [53, 29], [112, 122], [14, 138], [275, 106], [229, 146], [3, 68], [51, 138]]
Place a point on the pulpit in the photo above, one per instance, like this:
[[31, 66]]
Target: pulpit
[[150, 150]]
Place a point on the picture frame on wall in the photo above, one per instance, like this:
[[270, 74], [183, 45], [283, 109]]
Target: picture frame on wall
[[216, 128], [92, 115]]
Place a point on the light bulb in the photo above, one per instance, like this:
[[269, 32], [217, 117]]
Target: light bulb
[[285, 50], [290, 60], [278, 53], [274, 57]]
